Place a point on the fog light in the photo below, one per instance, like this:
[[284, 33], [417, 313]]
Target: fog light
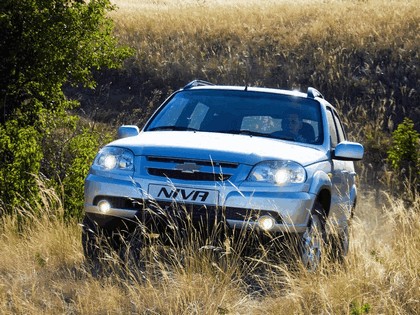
[[266, 222], [104, 206]]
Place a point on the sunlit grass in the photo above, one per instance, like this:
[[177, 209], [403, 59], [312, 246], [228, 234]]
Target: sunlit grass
[[42, 270]]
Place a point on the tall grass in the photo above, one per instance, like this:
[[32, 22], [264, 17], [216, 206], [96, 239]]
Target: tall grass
[[42, 270]]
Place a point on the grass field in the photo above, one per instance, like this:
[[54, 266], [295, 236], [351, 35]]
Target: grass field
[[42, 271]]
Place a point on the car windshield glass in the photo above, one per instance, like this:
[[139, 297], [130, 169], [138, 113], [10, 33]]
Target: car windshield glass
[[249, 113]]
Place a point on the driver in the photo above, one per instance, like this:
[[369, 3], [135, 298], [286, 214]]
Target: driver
[[291, 125]]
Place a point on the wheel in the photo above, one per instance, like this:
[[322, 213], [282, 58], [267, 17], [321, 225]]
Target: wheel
[[340, 243], [313, 240], [129, 246], [94, 241], [99, 247], [90, 241]]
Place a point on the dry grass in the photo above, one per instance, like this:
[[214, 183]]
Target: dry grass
[[42, 270]]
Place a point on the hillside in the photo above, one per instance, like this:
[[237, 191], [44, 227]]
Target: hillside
[[364, 60]]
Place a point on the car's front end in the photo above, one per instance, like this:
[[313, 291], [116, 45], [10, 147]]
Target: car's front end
[[245, 181]]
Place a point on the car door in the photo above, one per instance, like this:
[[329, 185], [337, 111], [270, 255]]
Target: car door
[[342, 173]]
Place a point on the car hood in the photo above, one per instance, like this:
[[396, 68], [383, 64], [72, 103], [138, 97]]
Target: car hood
[[219, 147]]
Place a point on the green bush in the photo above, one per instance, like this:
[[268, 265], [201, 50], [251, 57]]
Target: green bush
[[82, 149], [21, 155], [404, 153], [62, 155], [45, 46]]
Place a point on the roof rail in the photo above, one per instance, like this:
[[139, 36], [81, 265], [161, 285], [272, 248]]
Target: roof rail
[[312, 93], [196, 83]]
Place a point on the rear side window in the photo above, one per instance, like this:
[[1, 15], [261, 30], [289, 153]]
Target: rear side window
[[332, 128], [340, 129], [337, 133]]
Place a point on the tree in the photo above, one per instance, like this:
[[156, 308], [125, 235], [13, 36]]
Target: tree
[[45, 45]]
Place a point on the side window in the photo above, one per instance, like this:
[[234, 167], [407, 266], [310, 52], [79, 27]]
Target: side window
[[340, 129], [332, 128]]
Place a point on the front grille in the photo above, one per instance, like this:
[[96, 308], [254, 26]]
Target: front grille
[[195, 212], [190, 169], [198, 176], [198, 162], [173, 221], [250, 215]]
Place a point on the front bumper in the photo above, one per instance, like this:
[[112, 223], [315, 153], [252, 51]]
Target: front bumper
[[240, 207]]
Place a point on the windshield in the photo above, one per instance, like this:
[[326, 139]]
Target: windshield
[[241, 112]]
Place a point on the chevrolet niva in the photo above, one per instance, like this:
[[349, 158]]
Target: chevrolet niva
[[268, 160]]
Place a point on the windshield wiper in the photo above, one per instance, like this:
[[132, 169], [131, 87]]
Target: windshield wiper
[[258, 134], [248, 133], [285, 138], [173, 128]]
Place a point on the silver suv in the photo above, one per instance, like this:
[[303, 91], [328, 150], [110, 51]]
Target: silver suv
[[268, 160]]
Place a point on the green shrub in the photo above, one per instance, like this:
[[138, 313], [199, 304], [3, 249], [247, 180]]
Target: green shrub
[[62, 155], [21, 155], [404, 153], [69, 147], [82, 149], [44, 46]]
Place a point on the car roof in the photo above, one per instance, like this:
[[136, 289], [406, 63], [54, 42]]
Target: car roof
[[250, 89], [200, 85]]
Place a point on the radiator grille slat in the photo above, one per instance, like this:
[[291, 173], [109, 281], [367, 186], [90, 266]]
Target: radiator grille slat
[[198, 176], [198, 162]]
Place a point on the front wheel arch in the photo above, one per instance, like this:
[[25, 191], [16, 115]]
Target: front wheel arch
[[324, 201]]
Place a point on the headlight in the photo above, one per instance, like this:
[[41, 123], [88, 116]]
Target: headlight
[[111, 158], [278, 172]]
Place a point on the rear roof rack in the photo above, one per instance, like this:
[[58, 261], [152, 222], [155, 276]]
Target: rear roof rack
[[196, 83], [312, 93]]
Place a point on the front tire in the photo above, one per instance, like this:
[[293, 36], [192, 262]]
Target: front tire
[[106, 248], [91, 241], [313, 240], [340, 243]]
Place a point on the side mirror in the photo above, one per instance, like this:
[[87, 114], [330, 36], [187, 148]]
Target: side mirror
[[348, 151], [128, 131]]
